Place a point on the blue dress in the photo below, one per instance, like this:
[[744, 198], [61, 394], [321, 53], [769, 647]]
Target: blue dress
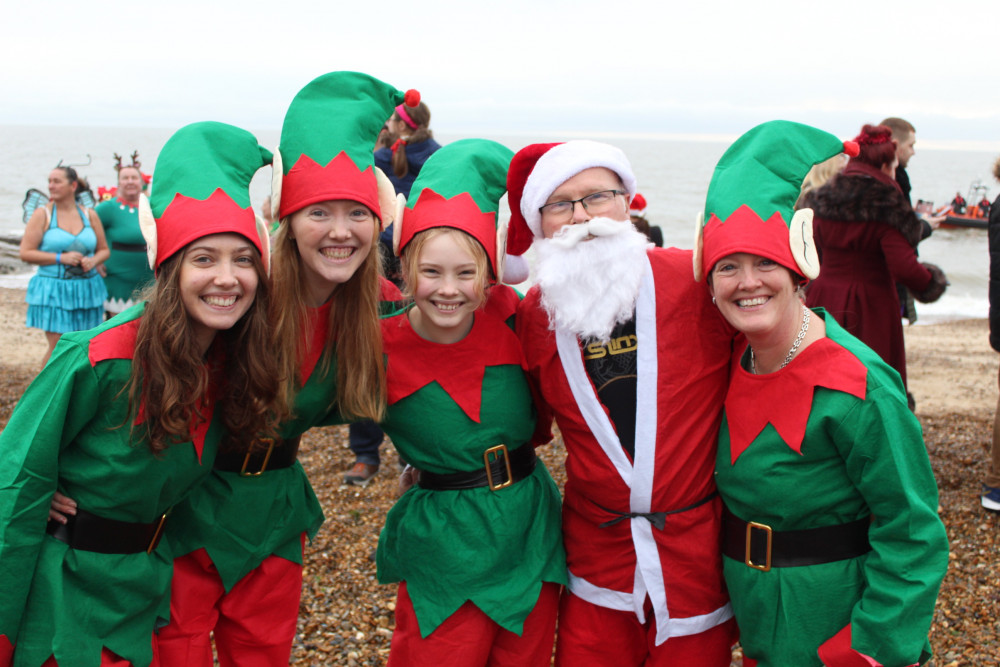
[[62, 298]]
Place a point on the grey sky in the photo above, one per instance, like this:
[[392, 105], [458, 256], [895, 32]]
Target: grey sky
[[519, 66]]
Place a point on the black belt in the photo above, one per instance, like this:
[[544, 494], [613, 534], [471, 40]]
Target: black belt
[[658, 519], [89, 532], [501, 468], [266, 454], [762, 548], [128, 247]]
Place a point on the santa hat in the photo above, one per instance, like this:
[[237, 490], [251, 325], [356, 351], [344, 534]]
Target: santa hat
[[202, 187], [327, 142], [460, 186], [537, 170], [751, 198], [638, 205]]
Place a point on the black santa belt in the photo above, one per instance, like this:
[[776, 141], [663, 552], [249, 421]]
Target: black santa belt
[[265, 454], [501, 468], [658, 519], [88, 532], [760, 547]]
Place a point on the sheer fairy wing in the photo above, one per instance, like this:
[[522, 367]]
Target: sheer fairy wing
[[86, 199], [33, 199]]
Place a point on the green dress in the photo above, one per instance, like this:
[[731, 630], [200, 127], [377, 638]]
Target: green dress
[[127, 267], [66, 434], [861, 453], [447, 405]]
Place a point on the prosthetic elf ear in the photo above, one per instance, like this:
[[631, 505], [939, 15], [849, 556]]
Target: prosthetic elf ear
[[699, 246], [147, 225], [800, 238], [397, 228], [386, 198], [276, 176]]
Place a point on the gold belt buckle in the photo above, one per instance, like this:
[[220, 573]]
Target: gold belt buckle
[[751, 525], [263, 466], [156, 534], [496, 452]]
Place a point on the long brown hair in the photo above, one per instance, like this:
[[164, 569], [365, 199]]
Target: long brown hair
[[355, 340], [420, 115], [170, 379]]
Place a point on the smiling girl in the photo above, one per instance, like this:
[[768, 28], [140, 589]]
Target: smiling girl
[[476, 545], [127, 417]]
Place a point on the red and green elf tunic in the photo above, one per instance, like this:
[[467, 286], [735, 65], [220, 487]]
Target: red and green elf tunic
[[71, 433], [826, 441], [447, 405], [240, 521]]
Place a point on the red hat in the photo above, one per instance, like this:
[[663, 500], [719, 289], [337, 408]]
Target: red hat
[[538, 169], [638, 206]]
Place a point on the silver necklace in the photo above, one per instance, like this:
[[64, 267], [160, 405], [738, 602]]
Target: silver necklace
[[806, 316]]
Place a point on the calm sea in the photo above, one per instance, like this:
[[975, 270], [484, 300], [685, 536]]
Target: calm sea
[[672, 174]]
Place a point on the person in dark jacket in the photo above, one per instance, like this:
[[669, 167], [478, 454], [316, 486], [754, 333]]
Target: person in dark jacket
[[991, 488], [866, 232]]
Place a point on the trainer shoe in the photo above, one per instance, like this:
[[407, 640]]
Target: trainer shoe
[[991, 498], [360, 474]]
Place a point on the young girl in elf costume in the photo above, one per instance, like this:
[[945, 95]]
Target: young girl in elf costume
[[241, 534], [127, 417], [833, 548], [476, 545]]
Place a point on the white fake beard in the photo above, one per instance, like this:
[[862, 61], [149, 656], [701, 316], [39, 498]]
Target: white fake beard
[[590, 286]]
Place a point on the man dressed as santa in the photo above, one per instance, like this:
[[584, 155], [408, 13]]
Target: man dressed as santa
[[629, 356]]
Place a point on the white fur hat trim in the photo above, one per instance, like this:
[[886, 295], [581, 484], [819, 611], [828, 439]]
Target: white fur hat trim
[[561, 163]]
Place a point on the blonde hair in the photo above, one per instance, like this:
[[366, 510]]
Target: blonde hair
[[821, 174], [410, 259], [355, 337]]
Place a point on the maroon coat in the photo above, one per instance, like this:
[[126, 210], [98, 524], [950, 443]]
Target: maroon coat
[[866, 233]]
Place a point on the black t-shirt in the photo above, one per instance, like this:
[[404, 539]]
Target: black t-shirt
[[613, 370]]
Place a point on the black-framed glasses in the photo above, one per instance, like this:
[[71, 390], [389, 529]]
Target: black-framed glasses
[[595, 204]]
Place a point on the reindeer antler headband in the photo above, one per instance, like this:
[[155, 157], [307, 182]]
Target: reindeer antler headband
[[135, 162]]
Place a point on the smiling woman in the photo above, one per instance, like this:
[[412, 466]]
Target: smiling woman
[[830, 516], [126, 419], [333, 239], [218, 281]]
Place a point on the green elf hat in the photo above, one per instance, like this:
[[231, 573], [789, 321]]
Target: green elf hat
[[460, 186], [202, 187], [751, 198], [328, 139]]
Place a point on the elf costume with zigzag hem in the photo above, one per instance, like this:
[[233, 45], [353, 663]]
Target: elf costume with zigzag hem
[[282, 501], [70, 432], [64, 597], [447, 405], [476, 559], [834, 552], [860, 454], [235, 525]]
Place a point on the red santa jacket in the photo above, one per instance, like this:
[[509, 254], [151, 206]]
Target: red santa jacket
[[683, 348]]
